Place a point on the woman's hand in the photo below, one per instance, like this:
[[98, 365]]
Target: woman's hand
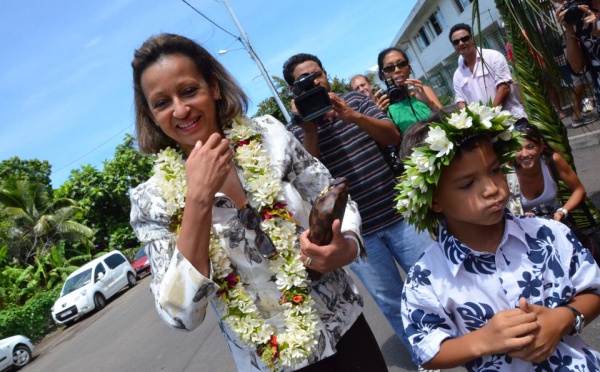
[[418, 91], [340, 252], [560, 17], [207, 167], [382, 101], [589, 18], [558, 215]]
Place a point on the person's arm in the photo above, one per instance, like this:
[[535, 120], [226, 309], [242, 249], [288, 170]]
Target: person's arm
[[309, 177], [181, 293], [433, 98], [570, 178], [459, 98], [382, 131], [502, 78], [502, 333], [574, 52], [502, 92], [206, 169]]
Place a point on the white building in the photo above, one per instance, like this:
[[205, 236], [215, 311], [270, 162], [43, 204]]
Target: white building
[[424, 37]]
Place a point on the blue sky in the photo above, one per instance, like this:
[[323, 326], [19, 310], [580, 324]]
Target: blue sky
[[65, 74]]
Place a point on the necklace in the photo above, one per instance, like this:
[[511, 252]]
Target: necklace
[[242, 316]]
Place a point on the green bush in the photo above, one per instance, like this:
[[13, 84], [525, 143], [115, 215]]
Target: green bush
[[33, 320]]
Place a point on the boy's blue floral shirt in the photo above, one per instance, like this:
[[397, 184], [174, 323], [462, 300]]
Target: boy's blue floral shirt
[[453, 290]]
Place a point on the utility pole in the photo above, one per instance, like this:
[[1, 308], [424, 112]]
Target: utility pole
[[246, 42]]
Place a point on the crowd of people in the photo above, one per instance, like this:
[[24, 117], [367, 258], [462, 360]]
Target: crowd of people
[[225, 215]]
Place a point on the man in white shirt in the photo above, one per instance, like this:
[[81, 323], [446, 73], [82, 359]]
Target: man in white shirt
[[482, 74]]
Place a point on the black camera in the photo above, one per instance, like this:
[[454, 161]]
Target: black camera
[[396, 93], [574, 15], [311, 101], [543, 210]]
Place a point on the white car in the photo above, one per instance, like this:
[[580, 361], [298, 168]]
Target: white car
[[88, 287], [15, 351]]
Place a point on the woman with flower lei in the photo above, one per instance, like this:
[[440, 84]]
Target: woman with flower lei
[[495, 291], [224, 219]]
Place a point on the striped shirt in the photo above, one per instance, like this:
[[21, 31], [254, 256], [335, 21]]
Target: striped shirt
[[347, 151]]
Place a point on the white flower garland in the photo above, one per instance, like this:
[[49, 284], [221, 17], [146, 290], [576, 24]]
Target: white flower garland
[[422, 170], [241, 314]]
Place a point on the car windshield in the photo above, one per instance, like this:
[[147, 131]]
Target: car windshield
[[77, 282], [140, 253]]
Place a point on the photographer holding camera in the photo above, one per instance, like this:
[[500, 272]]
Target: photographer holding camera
[[347, 141], [580, 20], [405, 100]]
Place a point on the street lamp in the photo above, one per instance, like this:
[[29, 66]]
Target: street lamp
[[225, 51], [246, 43]]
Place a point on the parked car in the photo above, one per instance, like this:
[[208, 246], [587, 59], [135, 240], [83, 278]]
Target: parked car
[[140, 263], [89, 287], [15, 351]]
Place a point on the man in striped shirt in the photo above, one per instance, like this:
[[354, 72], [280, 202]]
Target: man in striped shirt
[[347, 140]]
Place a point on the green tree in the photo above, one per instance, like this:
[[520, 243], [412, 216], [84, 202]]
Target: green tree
[[34, 171], [38, 223], [269, 106], [104, 195]]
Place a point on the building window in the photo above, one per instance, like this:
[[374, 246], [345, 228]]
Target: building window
[[462, 4], [410, 55], [422, 39], [436, 22], [439, 86]]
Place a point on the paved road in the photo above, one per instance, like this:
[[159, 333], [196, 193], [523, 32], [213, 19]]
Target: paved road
[[129, 336]]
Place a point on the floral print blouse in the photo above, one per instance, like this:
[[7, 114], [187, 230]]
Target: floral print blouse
[[182, 294], [453, 290]]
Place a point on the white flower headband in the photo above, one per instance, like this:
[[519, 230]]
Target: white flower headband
[[422, 170]]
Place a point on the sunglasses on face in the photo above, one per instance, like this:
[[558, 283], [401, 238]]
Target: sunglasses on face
[[391, 68], [464, 39], [250, 218]]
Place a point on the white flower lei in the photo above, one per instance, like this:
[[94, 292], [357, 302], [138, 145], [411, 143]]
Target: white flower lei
[[422, 170], [241, 314]]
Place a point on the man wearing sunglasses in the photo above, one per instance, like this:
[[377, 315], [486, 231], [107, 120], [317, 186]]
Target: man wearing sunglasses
[[482, 74]]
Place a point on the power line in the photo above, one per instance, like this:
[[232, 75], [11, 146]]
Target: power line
[[92, 150], [210, 20]]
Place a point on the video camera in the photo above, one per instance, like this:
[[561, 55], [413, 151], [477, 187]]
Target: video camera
[[396, 93], [574, 15], [311, 101]]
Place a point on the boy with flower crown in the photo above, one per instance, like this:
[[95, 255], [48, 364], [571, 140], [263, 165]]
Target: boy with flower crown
[[495, 292]]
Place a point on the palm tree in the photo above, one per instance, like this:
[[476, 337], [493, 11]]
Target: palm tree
[[37, 222], [529, 17]]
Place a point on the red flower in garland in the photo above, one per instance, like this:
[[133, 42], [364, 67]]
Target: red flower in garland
[[230, 281]]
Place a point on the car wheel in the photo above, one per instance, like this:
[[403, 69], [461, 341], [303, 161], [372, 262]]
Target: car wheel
[[131, 280], [21, 356], [99, 301]]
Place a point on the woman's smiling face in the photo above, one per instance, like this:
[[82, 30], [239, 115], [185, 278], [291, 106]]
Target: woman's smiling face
[[399, 74], [529, 156], [180, 100]]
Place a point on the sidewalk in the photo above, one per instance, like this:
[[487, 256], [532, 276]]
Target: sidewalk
[[583, 136]]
